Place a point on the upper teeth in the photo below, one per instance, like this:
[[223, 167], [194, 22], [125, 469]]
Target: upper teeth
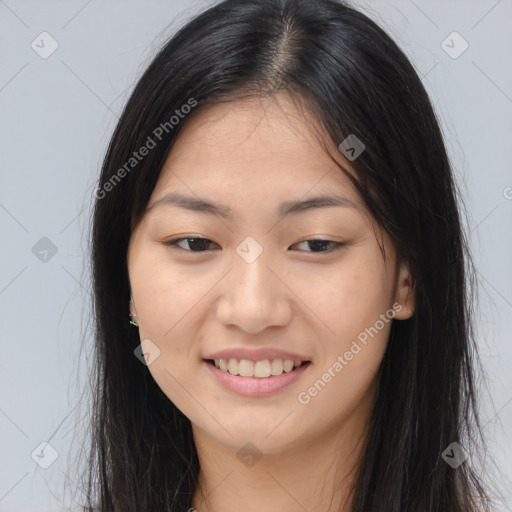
[[261, 369]]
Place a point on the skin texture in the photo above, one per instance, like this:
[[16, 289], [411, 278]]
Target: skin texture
[[251, 155]]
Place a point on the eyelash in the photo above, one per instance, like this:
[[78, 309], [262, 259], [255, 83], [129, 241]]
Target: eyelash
[[173, 244]]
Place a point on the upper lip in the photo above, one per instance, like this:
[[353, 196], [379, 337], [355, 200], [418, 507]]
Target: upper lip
[[256, 354]]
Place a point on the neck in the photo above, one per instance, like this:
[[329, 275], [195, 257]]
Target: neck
[[313, 475]]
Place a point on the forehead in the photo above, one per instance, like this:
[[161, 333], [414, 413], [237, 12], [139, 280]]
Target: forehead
[[256, 147]]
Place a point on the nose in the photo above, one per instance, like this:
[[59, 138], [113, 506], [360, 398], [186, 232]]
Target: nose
[[254, 297]]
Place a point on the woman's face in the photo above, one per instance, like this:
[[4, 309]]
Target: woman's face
[[256, 290]]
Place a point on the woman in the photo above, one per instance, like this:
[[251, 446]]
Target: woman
[[277, 214]]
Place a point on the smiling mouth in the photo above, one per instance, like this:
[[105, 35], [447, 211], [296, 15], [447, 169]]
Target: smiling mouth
[[259, 369]]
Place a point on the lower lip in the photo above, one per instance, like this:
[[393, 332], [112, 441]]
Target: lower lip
[[255, 386]]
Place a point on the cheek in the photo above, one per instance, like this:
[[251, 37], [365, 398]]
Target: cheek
[[339, 397], [163, 293], [172, 303], [347, 298], [349, 358], [168, 302]]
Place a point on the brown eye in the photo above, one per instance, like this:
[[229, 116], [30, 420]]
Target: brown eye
[[195, 244], [322, 245]]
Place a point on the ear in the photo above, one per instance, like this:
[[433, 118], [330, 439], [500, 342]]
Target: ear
[[133, 311], [404, 295]]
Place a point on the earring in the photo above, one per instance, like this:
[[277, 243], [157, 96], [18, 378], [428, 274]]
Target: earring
[[133, 314]]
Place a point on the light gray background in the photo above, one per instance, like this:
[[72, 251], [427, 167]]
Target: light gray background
[[57, 115]]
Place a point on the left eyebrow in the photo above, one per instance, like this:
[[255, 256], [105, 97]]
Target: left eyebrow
[[286, 208], [293, 207]]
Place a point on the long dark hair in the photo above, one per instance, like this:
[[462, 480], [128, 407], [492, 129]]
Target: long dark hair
[[353, 79]]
